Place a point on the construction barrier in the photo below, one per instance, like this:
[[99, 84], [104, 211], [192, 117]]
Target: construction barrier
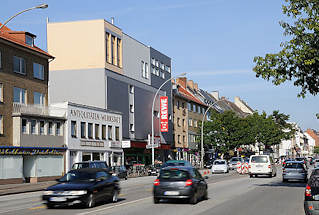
[[244, 168], [238, 166]]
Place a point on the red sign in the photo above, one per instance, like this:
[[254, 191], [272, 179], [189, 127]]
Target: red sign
[[164, 113]]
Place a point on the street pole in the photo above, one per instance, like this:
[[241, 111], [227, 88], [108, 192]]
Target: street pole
[[152, 136], [202, 135], [42, 6]]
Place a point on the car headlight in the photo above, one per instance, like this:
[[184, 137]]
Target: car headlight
[[48, 192], [75, 192]]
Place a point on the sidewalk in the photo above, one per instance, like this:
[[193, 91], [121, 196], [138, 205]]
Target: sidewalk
[[7, 189]]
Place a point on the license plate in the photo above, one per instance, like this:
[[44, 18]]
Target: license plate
[[57, 199], [171, 193], [316, 197], [259, 165]]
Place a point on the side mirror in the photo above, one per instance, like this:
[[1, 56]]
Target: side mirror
[[58, 180]]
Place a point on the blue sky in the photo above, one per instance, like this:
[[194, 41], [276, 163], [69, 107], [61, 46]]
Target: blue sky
[[214, 41]]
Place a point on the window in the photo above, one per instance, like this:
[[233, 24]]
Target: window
[[153, 70], [178, 122], [131, 89], [194, 108], [73, 129], [107, 40], [110, 132], [83, 129], [38, 71], [195, 123], [38, 98], [190, 122], [97, 131], [179, 138], [162, 66], [1, 125], [189, 106], [132, 127], [177, 104], [183, 139], [19, 95], [146, 70], [33, 126], [112, 49], [143, 69], [19, 65], [167, 69], [203, 110], [156, 113], [103, 132], [29, 40], [90, 130], [183, 105], [41, 127], [157, 71], [156, 63], [117, 133], [198, 109], [184, 123], [0, 60], [163, 75], [131, 108], [153, 61], [1, 92], [118, 48], [50, 129], [24, 126], [58, 129]]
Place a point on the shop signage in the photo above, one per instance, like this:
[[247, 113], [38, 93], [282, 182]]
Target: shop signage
[[94, 116], [30, 151], [115, 144], [92, 143], [126, 144], [164, 113]]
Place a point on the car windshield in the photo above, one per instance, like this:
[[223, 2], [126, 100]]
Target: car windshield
[[174, 175], [173, 164], [80, 165], [259, 159], [77, 176], [234, 159], [219, 162], [299, 159], [294, 166]]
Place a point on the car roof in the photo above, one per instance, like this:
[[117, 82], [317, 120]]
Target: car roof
[[88, 170], [220, 160]]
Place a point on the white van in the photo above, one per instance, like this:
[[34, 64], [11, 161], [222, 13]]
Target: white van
[[261, 165]]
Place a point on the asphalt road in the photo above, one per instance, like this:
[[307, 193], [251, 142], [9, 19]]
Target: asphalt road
[[228, 194]]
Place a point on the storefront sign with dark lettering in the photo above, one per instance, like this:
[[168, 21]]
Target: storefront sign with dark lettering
[[92, 143], [30, 151], [94, 116]]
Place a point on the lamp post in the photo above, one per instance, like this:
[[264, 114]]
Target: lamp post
[[152, 136], [202, 138], [41, 6]]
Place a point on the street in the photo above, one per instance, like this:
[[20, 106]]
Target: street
[[228, 194]]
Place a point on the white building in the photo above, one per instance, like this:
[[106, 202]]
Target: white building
[[92, 133]]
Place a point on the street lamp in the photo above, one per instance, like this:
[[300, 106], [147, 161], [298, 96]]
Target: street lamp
[[202, 138], [41, 6], [152, 136]]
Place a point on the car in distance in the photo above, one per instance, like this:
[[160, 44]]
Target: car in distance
[[91, 164], [176, 163], [232, 164], [119, 171], [316, 163], [180, 182], [261, 165], [220, 166], [84, 186], [208, 164], [311, 201], [294, 170]]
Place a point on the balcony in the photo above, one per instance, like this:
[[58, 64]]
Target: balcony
[[37, 110]]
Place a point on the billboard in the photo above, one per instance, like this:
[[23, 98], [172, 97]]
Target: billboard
[[164, 113]]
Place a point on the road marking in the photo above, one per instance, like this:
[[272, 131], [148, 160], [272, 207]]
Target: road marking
[[114, 206], [39, 207]]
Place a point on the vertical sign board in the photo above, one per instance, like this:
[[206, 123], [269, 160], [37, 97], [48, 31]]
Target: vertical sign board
[[164, 113]]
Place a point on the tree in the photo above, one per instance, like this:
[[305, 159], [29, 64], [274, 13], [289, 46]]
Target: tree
[[299, 58], [316, 150]]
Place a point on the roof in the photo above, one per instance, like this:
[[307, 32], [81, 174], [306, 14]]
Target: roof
[[186, 94], [9, 35]]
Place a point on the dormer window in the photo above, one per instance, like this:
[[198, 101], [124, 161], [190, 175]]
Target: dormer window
[[29, 40]]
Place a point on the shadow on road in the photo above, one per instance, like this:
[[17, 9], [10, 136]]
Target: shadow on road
[[283, 184]]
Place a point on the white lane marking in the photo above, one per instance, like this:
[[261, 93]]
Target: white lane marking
[[113, 206]]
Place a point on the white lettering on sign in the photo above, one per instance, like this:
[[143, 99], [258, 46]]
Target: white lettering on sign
[[164, 113], [95, 116]]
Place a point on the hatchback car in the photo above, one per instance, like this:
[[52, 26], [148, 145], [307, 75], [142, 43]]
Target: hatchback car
[[294, 170], [311, 202], [83, 186], [220, 166], [180, 182], [119, 171], [232, 164]]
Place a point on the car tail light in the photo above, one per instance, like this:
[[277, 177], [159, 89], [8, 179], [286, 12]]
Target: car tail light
[[189, 182], [308, 191], [156, 182], [269, 166], [249, 166], [284, 170], [284, 163]]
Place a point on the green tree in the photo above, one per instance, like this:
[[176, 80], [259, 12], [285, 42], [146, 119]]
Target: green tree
[[299, 58], [316, 150]]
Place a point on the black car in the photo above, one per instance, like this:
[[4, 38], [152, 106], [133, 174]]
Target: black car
[[91, 164], [209, 164], [119, 171], [311, 203], [180, 182], [82, 186]]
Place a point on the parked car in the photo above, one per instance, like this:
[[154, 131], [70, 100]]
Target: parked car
[[209, 164], [82, 186], [311, 201], [91, 164], [176, 163], [316, 163], [180, 182], [232, 164], [154, 170], [294, 170], [261, 165], [220, 166], [119, 171]]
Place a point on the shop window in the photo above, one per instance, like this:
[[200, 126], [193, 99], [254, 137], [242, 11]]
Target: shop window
[[97, 131], [73, 129], [83, 129], [109, 132], [117, 133], [90, 130]]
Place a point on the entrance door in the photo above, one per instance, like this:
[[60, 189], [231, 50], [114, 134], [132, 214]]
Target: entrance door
[[86, 156]]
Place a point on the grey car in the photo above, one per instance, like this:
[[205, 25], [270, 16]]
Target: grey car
[[180, 182], [232, 164], [294, 170]]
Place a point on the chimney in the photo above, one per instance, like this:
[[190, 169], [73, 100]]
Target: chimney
[[182, 81], [112, 20], [196, 86], [190, 83], [215, 95]]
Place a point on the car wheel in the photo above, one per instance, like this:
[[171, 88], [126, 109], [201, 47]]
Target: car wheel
[[125, 177], [256, 176], [50, 206], [90, 202], [205, 197], [250, 176], [270, 175], [115, 196], [156, 200], [284, 180], [275, 174], [193, 199]]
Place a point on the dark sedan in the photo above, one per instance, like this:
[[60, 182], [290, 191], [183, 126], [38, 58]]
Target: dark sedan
[[180, 182], [311, 203], [82, 186]]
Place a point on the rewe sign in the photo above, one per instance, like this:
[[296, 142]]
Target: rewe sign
[[164, 113]]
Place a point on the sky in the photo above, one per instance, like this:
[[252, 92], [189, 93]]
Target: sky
[[213, 41]]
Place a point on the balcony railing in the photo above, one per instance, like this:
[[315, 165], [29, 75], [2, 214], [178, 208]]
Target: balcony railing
[[39, 110]]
